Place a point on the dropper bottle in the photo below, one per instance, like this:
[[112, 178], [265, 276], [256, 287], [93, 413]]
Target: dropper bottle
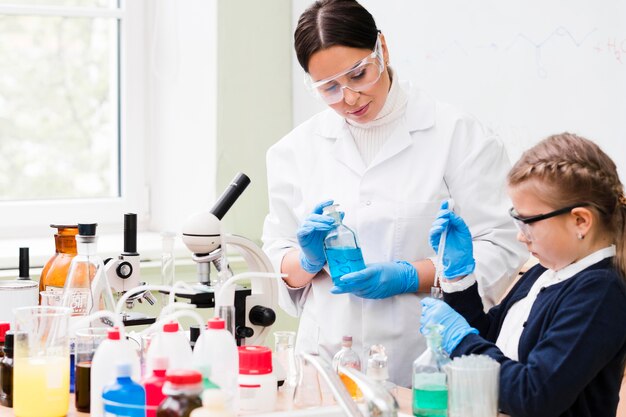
[[341, 247]]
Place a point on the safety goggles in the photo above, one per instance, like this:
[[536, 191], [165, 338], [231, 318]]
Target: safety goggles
[[524, 223], [361, 76]]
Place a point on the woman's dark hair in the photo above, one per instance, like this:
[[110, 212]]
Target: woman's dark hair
[[328, 23]]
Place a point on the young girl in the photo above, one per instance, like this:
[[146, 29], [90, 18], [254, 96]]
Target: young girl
[[560, 333]]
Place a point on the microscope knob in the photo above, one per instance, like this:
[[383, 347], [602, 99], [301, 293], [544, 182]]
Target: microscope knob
[[243, 332], [262, 316], [124, 270]]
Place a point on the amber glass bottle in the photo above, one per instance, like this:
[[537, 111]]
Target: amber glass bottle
[[55, 271]]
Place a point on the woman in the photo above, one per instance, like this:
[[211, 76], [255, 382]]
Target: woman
[[388, 154], [560, 333]]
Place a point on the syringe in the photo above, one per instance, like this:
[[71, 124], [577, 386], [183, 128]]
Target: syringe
[[435, 290]]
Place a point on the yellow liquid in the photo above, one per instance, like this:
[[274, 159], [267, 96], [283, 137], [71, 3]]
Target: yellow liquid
[[351, 386], [41, 387]]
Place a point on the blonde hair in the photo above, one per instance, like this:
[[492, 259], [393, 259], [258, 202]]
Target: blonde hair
[[575, 170]]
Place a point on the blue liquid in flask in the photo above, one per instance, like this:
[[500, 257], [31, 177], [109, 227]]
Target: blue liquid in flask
[[344, 260]]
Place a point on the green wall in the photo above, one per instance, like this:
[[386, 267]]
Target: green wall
[[255, 41]]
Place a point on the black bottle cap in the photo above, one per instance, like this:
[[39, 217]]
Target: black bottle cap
[[87, 229], [24, 264], [9, 341]]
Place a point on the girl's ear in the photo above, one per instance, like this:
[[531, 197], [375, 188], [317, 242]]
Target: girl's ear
[[584, 220]]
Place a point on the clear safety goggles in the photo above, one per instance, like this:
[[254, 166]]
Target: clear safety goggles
[[524, 224], [361, 76]]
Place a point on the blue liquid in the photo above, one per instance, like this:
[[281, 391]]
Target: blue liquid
[[344, 260], [124, 398], [72, 368]]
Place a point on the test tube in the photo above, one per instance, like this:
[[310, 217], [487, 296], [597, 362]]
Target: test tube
[[167, 262]]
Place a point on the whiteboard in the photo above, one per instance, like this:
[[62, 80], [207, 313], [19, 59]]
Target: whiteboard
[[526, 69]]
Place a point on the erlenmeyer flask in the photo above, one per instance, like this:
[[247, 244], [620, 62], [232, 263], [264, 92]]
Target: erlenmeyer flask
[[285, 355], [308, 393]]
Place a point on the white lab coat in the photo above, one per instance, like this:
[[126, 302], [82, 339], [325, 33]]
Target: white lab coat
[[436, 152]]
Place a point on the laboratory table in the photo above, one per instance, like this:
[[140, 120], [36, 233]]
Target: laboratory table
[[404, 399]]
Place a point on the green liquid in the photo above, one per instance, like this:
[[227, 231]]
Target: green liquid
[[430, 401]]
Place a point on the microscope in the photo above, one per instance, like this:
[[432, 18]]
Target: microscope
[[123, 274], [254, 306]]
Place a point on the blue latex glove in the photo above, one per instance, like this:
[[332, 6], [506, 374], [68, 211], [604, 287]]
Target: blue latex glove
[[455, 327], [311, 235], [458, 255], [379, 280]]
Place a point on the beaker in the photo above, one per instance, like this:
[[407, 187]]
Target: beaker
[[51, 298], [285, 355], [41, 378], [87, 341]]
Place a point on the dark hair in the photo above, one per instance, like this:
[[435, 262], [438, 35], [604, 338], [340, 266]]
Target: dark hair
[[575, 170], [328, 23]]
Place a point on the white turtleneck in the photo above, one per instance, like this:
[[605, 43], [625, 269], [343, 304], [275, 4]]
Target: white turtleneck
[[371, 136]]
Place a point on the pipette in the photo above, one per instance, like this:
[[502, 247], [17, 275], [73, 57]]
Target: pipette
[[435, 290]]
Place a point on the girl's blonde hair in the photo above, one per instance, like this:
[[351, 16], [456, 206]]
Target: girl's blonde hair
[[575, 170]]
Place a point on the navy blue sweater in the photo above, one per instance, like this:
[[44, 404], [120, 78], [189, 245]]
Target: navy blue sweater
[[572, 349]]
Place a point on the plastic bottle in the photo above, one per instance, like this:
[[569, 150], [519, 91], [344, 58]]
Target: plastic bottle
[[213, 405], [125, 397], [111, 352], [154, 385], [54, 272], [172, 344], [257, 382], [4, 328], [6, 371], [430, 389], [342, 250], [350, 359], [182, 390], [217, 348]]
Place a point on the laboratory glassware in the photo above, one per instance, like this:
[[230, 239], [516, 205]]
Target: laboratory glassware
[[284, 352], [435, 290], [430, 389], [54, 272], [348, 358], [308, 392], [341, 247], [86, 288], [86, 343], [167, 262], [473, 383], [41, 362], [183, 389], [6, 371]]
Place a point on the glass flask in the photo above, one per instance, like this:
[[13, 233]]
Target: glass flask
[[55, 270], [86, 287], [348, 358], [284, 342], [430, 388], [342, 250], [308, 392]]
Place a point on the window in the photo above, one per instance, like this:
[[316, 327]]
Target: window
[[71, 113]]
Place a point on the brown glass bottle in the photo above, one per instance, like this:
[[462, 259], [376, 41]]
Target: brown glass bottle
[[55, 271], [183, 389]]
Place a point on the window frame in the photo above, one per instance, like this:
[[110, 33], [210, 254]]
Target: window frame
[[31, 218]]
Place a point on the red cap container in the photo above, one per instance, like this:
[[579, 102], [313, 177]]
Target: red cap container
[[4, 328], [255, 360], [216, 323], [183, 377]]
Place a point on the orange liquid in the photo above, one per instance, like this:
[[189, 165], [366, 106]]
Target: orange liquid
[[351, 386]]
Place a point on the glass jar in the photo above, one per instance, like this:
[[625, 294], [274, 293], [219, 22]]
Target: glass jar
[[55, 271]]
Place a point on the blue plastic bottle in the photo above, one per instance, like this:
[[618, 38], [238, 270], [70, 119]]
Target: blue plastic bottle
[[342, 250], [125, 397]]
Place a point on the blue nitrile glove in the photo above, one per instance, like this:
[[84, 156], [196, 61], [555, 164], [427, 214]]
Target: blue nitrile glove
[[455, 327], [458, 255], [380, 280], [311, 235]]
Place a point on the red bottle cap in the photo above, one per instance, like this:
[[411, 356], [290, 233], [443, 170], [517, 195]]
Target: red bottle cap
[[216, 323], [183, 377], [4, 328], [255, 360], [171, 327], [113, 334]]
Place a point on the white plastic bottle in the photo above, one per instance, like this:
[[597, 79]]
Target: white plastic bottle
[[257, 382], [217, 348], [109, 354], [171, 344], [213, 405]]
